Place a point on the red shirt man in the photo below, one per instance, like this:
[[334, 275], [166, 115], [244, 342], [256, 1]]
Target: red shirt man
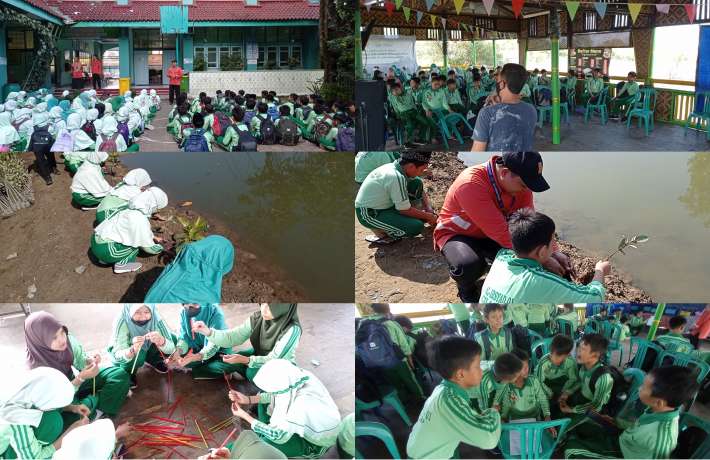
[[175, 74], [96, 67], [77, 70]]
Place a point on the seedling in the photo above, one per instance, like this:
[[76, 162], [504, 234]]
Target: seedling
[[192, 230], [627, 243]]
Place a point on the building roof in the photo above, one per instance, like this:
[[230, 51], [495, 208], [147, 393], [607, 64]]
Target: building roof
[[202, 10]]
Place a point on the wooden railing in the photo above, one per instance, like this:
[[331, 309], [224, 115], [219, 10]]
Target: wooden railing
[[672, 105]]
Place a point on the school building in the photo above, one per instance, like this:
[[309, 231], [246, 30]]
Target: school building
[[137, 39]]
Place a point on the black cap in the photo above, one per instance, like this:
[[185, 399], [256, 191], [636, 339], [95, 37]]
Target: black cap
[[421, 157], [527, 165]]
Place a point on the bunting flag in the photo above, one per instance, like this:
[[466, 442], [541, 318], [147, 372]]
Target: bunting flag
[[443, 22], [433, 20], [458, 4], [488, 4], [429, 4], [517, 7], [663, 8], [572, 8], [389, 6], [601, 8], [419, 17], [634, 9], [397, 4], [406, 12], [690, 11], [368, 6]]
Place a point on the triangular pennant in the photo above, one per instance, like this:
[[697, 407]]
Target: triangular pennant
[[419, 17], [406, 12], [690, 11], [433, 20], [443, 22], [601, 8], [389, 6], [634, 9], [663, 8], [458, 4], [572, 8], [368, 6], [517, 7], [488, 4], [397, 4], [429, 4]]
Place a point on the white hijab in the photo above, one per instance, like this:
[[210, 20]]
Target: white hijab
[[88, 178], [131, 226], [29, 394], [94, 441], [131, 184], [82, 141], [300, 403], [8, 133]]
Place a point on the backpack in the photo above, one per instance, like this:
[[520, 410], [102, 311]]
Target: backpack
[[375, 347], [196, 142], [619, 389], [689, 441], [267, 131], [448, 327], [288, 132], [521, 338], [41, 141], [123, 131], [486, 339], [220, 124], [345, 142], [273, 112], [184, 126], [322, 127], [246, 142], [109, 144], [90, 130], [248, 115], [305, 112]]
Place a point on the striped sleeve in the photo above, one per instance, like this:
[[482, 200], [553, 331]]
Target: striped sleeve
[[169, 346], [398, 192], [26, 446], [541, 397], [572, 384], [275, 435], [469, 425], [209, 350], [154, 249], [484, 390], [121, 343], [602, 392], [540, 374], [285, 348], [503, 399], [182, 346], [666, 442]]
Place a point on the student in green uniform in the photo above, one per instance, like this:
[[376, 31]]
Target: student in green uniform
[[97, 391], [570, 314], [504, 370], [389, 199], [346, 437], [448, 418], [636, 323], [580, 398], [524, 397], [655, 434], [518, 276], [495, 339], [453, 97], [517, 314], [133, 183], [625, 330], [538, 317], [593, 87], [302, 420], [476, 94], [557, 370], [434, 100], [30, 413], [140, 336], [260, 115], [88, 185], [674, 340], [416, 91], [626, 94], [461, 315], [401, 377], [366, 162], [405, 109], [274, 333], [230, 140]]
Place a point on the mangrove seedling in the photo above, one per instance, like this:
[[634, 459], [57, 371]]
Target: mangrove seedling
[[113, 160], [192, 230], [628, 243]]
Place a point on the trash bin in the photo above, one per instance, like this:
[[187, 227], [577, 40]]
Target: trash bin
[[124, 84], [9, 88], [185, 83]]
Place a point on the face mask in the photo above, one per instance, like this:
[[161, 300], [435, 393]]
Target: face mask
[[140, 323], [192, 311]]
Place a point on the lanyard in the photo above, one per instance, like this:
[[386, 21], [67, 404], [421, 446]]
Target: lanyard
[[499, 197]]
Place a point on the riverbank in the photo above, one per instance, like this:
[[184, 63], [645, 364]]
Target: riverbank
[[411, 271], [44, 255]]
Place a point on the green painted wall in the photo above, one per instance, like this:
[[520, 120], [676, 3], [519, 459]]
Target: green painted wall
[[3, 57], [187, 52], [125, 54]]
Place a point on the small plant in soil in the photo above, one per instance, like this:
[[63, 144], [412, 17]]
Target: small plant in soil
[[192, 230], [627, 243], [113, 161], [15, 185]]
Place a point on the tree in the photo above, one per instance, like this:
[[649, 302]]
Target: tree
[[337, 19]]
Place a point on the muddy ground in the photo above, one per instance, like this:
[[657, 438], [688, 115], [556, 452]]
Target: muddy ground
[[411, 271], [45, 249]]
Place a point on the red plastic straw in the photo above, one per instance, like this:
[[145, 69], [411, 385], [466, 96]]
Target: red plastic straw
[[227, 380], [174, 406], [226, 440], [134, 442], [167, 420]]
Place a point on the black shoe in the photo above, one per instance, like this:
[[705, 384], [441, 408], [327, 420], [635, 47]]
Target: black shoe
[[134, 382], [48, 180], [158, 367]]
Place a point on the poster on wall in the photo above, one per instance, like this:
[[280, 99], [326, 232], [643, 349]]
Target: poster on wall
[[382, 52], [583, 60]]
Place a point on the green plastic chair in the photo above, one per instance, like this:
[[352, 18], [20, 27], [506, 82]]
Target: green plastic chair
[[543, 345], [543, 110], [633, 407], [598, 107], [390, 398], [534, 336], [687, 420], [447, 126], [642, 346], [565, 327], [379, 431], [535, 440], [643, 109], [699, 117], [614, 343], [686, 360]]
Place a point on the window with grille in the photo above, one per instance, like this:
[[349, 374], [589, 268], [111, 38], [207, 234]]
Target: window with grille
[[432, 34], [621, 20], [532, 27], [702, 10], [455, 35], [590, 21], [391, 31]]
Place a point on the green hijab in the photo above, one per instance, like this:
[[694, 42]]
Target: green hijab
[[265, 334]]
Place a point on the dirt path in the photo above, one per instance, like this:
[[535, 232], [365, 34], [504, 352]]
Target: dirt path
[[411, 271], [50, 245]]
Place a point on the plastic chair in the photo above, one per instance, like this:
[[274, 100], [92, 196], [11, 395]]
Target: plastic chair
[[390, 398], [632, 408], [646, 111], [614, 343], [687, 420], [642, 347], [379, 431], [534, 336], [543, 345], [599, 106], [447, 126], [565, 327], [535, 440], [700, 116], [543, 110], [686, 360]]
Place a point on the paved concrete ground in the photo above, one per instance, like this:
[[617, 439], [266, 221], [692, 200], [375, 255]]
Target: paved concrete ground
[[593, 136], [328, 338]]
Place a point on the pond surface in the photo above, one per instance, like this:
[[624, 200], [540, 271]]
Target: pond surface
[[596, 197], [293, 210]]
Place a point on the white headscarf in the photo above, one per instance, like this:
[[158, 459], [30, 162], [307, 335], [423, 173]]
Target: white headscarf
[[65, 93], [41, 107], [88, 442], [131, 226], [300, 403], [11, 96], [11, 105], [29, 394], [8, 133], [2, 107], [131, 185], [82, 141], [88, 178], [92, 114], [122, 114]]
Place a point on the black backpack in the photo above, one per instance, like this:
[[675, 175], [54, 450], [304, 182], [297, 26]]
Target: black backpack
[[305, 112], [375, 347], [246, 142], [619, 389], [288, 132], [448, 327], [267, 130], [41, 141]]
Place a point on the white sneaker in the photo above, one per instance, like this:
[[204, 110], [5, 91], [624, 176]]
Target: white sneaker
[[127, 268], [89, 208]]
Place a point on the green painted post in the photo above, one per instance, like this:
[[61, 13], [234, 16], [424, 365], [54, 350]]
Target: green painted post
[[124, 54], [656, 321], [358, 44], [473, 53], [555, 89], [494, 53], [649, 77]]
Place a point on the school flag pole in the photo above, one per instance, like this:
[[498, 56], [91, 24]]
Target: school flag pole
[[660, 308], [555, 54]]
